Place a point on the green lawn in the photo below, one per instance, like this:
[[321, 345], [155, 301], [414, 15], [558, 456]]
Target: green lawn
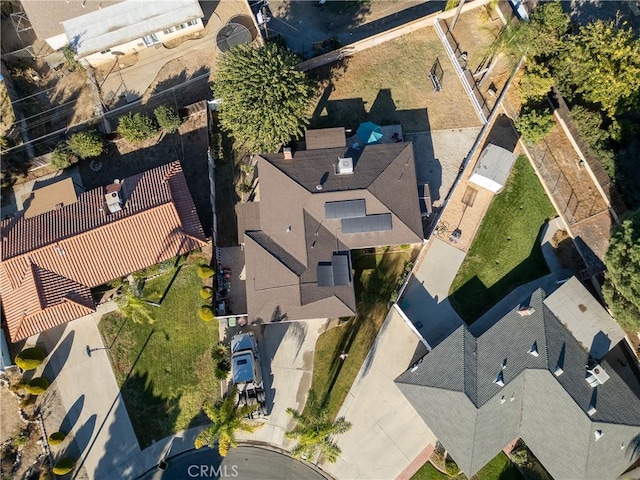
[[165, 370], [500, 468], [506, 251], [375, 279]]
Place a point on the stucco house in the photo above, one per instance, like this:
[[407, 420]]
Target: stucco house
[[56, 250], [99, 31], [315, 206], [555, 371]]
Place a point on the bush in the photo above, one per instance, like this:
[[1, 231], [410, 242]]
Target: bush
[[205, 271], [220, 351], [63, 466], [86, 144], [62, 157], [70, 57], [534, 124], [37, 386], [28, 401], [30, 358], [223, 367], [167, 118], [56, 438], [206, 293], [136, 127], [206, 313]]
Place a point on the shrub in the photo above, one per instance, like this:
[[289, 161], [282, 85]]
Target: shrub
[[63, 466], [86, 144], [205, 271], [37, 386], [70, 57], [136, 127], [206, 313], [62, 157], [30, 358], [450, 467], [28, 401], [223, 367], [220, 351], [167, 118], [56, 438], [534, 124], [206, 293]]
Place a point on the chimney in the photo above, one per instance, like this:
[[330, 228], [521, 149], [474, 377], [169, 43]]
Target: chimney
[[114, 196], [344, 166], [526, 310], [288, 155], [596, 376]]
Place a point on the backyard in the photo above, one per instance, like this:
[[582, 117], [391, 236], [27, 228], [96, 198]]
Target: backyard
[[388, 84], [164, 369], [376, 278], [505, 252], [499, 468]]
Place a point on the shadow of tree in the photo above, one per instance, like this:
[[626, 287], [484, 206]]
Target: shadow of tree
[[179, 79], [73, 414]]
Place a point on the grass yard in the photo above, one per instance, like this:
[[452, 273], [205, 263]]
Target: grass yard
[[376, 276], [165, 370], [388, 84], [500, 468], [505, 252]]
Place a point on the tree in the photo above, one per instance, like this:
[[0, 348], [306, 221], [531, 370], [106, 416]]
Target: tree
[[314, 431], [136, 127], [62, 158], [226, 419], [265, 99], [535, 82], [167, 118], [602, 64], [86, 144], [132, 306], [30, 358], [622, 280], [534, 124]]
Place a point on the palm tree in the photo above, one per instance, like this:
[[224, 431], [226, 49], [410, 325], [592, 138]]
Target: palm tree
[[315, 430], [227, 418], [132, 306]]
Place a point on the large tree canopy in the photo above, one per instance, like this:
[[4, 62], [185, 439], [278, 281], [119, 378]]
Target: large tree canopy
[[265, 99], [602, 63], [622, 286]]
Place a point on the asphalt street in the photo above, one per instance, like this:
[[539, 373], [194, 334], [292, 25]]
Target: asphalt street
[[244, 462]]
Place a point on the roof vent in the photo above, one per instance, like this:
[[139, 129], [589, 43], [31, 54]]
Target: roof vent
[[288, 155], [534, 349], [114, 196], [526, 310], [592, 410], [319, 187], [558, 371], [598, 434], [344, 166], [596, 376], [499, 380]]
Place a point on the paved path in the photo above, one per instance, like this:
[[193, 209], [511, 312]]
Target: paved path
[[387, 433], [425, 300], [82, 375]]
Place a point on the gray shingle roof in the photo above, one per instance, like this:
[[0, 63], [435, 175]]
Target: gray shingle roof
[[533, 404]]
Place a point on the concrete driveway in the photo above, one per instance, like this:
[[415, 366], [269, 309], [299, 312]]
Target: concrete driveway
[[286, 350], [387, 435], [425, 300]]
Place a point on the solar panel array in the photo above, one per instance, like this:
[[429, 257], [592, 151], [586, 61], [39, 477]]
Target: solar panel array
[[370, 223], [345, 209], [336, 273]]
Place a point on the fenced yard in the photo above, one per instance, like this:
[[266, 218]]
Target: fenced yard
[[165, 370]]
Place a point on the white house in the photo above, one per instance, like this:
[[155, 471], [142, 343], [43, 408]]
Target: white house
[[493, 168]]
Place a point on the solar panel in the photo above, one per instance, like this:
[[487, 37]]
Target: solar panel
[[345, 209], [325, 275], [370, 223], [341, 270]]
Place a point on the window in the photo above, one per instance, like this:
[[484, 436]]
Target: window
[[192, 23], [169, 30], [181, 26], [105, 51]]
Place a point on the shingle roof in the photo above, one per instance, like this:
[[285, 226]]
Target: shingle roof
[[531, 396], [50, 261], [384, 181]]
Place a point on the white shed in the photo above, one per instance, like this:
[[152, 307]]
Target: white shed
[[493, 168]]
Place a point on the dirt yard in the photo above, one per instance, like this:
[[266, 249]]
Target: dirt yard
[[388, 84]]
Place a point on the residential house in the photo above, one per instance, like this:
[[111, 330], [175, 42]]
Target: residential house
[[52, 257], [315, 206], [555, 371], [99, 31]]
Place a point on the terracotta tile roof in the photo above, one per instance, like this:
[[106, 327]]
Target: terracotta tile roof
[[50, 261]]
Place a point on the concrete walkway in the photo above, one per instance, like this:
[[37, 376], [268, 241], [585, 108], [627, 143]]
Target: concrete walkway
[[425, 300], [387, 433], [82, 375]]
